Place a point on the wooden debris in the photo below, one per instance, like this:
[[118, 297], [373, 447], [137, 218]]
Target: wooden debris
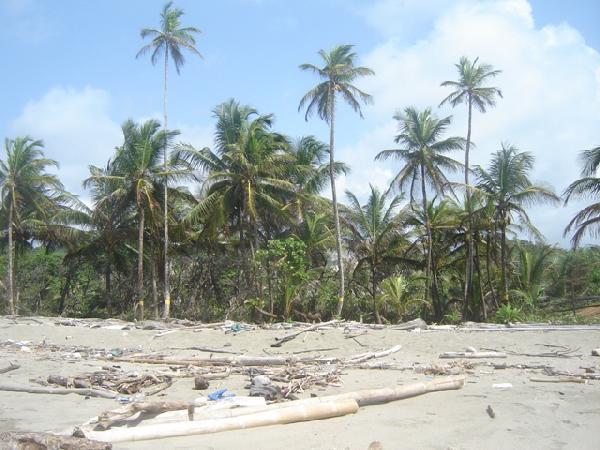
[[11, 366], [201, 383], [596, 352], [47, 441], [490, 412], [59, 391], [472, 355], [297, 413], [289, 337], [563, 379]]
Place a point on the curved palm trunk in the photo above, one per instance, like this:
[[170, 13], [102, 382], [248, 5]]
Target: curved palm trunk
[[108, 288], [336, 217], [374, 293], [167, 286], [140, 274], [468, 293], [11, 283]]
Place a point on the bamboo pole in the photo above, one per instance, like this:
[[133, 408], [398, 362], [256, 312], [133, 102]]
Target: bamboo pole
[[298, 413]]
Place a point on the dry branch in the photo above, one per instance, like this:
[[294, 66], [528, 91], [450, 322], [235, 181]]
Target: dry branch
[[289, 337], [11, 366], [59, 391]]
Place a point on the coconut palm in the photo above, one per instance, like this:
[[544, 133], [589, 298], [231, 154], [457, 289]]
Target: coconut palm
[[424, 156], [506, 182], [337, 74], [376, 232], [586, 221], [29, 195], [470, 90], [168, 40], [137, 177]]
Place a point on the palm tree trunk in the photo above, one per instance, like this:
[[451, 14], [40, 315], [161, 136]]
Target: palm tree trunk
[[108, 289], [167, 310], [155, 292], [504, 262], [11, 250], [468, 293], [488, 267], [336, 217], [374, 293], [428, 271], [140, 274]]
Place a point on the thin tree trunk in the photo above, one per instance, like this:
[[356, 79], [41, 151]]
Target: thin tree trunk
[[108, 289], [479, 276], [428, 271], [374, 293], [336, 217], [504, 262], [488, 264], [155, 292], [11, 250], [167, 309], [468, 293], [140, 274]]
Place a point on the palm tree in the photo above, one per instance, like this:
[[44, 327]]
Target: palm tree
[[423, 154], [169, 39], [246, 175], [376, 232], [137, 178], [338, 74], [469, 89], [28, 194], [506, 182], [588, 219]]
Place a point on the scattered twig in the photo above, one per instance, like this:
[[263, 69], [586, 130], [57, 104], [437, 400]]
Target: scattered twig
[[289, 337]]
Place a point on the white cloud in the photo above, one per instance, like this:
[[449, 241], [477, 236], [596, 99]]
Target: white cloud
[[550, 81], [76, 128]]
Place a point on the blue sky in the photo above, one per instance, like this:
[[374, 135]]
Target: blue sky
[[70, 75]]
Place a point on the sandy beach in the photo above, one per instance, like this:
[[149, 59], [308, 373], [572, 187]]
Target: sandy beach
[[535, 415]]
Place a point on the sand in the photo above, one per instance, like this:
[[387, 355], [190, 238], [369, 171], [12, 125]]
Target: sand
[[528, 415]]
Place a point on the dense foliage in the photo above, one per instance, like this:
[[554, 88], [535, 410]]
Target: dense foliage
[[260, 241]]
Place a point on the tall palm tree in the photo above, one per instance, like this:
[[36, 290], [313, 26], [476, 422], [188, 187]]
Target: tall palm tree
[[506, 182], [27, 191], [168, 40], [588, 219], [376, 232], [338, 73], [423, 153], [470, 89]]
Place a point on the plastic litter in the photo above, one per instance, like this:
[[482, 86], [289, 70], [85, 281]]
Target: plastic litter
[[220, 394]]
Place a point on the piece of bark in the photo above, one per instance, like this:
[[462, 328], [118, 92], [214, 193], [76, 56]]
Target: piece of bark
[[298, 413], [472, 355], [59, 391], [201, 383], [289, 337], [47, 441], [11, 366]]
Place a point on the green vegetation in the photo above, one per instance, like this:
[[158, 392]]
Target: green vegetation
[[259, 241]]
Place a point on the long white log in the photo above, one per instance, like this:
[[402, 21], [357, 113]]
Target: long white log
[[298, 413]]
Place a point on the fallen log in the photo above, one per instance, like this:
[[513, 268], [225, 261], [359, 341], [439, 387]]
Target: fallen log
[[47, 441], [289, 337], [564, 379], [298, 413], [372, 355], [472, 355], [239, 360], [59, 391], [11, 366]]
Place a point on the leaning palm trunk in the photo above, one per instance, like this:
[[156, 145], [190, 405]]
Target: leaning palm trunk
[[11, 282], [167, 310], [336, 217], [140, 274]]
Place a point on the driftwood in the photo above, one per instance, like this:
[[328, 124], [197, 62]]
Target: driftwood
[[371, 355], [472, 355], [291, 414], [289, 337], [596, 352], [563, 379], [47, 441], [11, 366], [59, 391]]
